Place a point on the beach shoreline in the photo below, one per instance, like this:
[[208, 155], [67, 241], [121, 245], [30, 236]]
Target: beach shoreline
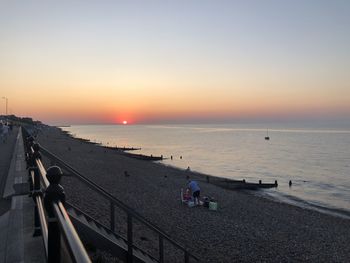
[[251, 187], [243, 221]]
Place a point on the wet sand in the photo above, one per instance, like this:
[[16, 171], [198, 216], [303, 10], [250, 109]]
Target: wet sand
[[245, 228]]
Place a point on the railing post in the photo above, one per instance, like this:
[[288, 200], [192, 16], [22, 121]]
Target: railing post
[[30, 158], [30, 181], [130, 241], [112, 216], [36, 192], [187, 257], [161, 249], [53, 194], [54, 241]]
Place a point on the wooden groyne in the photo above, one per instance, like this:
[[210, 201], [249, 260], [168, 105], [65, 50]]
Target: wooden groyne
[[238, 184], [145, 157], [116, 148]]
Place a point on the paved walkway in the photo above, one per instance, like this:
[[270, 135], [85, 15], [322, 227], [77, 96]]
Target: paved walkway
[[7, 147], [16, 218]]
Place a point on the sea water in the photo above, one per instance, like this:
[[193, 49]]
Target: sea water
[[316, 160]]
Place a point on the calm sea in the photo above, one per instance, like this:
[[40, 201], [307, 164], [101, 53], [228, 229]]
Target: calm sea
[[316, 160]]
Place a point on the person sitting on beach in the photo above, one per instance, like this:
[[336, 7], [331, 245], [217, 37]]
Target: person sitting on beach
[[195, 190]]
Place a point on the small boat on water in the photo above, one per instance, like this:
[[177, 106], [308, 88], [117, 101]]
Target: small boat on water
[[267, 137]]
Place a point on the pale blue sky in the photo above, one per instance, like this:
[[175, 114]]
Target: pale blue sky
[[292, 50]]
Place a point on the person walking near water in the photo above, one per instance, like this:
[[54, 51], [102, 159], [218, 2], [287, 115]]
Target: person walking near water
[[195, 191]]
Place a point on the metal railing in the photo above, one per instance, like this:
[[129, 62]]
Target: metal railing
[[131, 214], [61, 241]]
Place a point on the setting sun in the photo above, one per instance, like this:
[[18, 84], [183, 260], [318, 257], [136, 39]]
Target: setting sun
[[125, 122]]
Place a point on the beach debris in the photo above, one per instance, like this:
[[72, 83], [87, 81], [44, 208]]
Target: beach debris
[[171, 157], [206, 201], [181, 157], [190, 204], [213, 206], [290, 183]]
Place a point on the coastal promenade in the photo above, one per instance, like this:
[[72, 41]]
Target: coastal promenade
[[246, 228], [16, 208]]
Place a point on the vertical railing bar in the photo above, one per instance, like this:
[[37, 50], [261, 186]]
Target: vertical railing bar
[[161, 249], [54, 241], [187, 258], [112, 216], [34, 173], [130, 239]]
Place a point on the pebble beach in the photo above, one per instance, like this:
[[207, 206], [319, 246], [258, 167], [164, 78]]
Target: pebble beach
[[245, 228]]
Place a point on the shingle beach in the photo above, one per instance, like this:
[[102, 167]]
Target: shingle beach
[[246, 227]]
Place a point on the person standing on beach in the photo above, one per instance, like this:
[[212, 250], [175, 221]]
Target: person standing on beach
[[195, 190]]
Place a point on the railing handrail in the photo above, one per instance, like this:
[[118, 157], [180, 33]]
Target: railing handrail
[[75, 246], [41, 214], [43, 223], [74, 243], [115, 201]]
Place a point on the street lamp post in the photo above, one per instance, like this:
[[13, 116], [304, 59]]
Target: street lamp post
[[5, 98]]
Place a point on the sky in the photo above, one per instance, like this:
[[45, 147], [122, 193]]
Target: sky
[[75, 62]]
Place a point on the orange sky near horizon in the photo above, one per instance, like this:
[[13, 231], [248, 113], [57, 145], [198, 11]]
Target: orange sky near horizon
[[137, 104]]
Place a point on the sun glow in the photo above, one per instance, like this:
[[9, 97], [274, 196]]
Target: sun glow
[[125, 122]]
